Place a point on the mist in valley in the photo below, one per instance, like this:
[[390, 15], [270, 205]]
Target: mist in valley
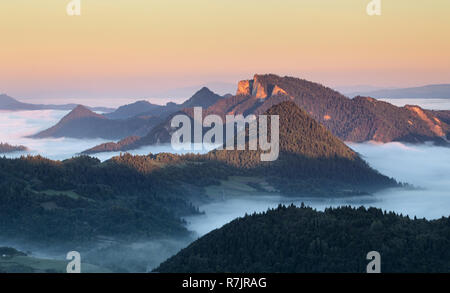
[[140, 256], [425, 167], [113, 255], [16, 126]]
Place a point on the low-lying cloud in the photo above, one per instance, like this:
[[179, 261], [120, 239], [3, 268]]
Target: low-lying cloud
[[426, 167], [16, 126]]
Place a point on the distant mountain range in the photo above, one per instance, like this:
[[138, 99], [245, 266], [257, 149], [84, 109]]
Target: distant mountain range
[[134, 109], [83, 123], [358, 120], [10, 104], [435, 91], [302, 240], [137, 119], [202, 98]]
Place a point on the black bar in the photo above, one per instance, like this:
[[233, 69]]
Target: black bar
[[225, 282]]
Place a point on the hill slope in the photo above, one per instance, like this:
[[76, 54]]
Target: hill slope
[[302, 240], [309, 156], [83, 123]]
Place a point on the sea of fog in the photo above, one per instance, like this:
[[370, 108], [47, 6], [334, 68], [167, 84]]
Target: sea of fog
[[16, 126], [424, 166]]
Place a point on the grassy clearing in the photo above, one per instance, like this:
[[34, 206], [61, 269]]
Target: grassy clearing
[[27, 264], [240, 186]]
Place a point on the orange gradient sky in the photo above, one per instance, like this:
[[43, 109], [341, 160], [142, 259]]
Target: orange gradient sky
[[122, 48]]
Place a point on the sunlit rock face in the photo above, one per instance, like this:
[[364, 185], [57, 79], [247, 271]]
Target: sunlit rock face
[[278, 91], [245, 87], [255, 87], [259, 88], [434, 125]]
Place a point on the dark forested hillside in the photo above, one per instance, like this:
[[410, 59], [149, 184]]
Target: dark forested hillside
[[81, 198], [310, 156], [291, 239]]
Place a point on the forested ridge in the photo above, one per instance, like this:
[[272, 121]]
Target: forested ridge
[[81, 198], [300, 239], [311, 158], [358, 120]]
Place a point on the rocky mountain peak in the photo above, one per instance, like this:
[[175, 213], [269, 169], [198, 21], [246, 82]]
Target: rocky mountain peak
[[81, 111]]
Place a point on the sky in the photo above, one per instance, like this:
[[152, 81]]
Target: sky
[[150, 48]]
